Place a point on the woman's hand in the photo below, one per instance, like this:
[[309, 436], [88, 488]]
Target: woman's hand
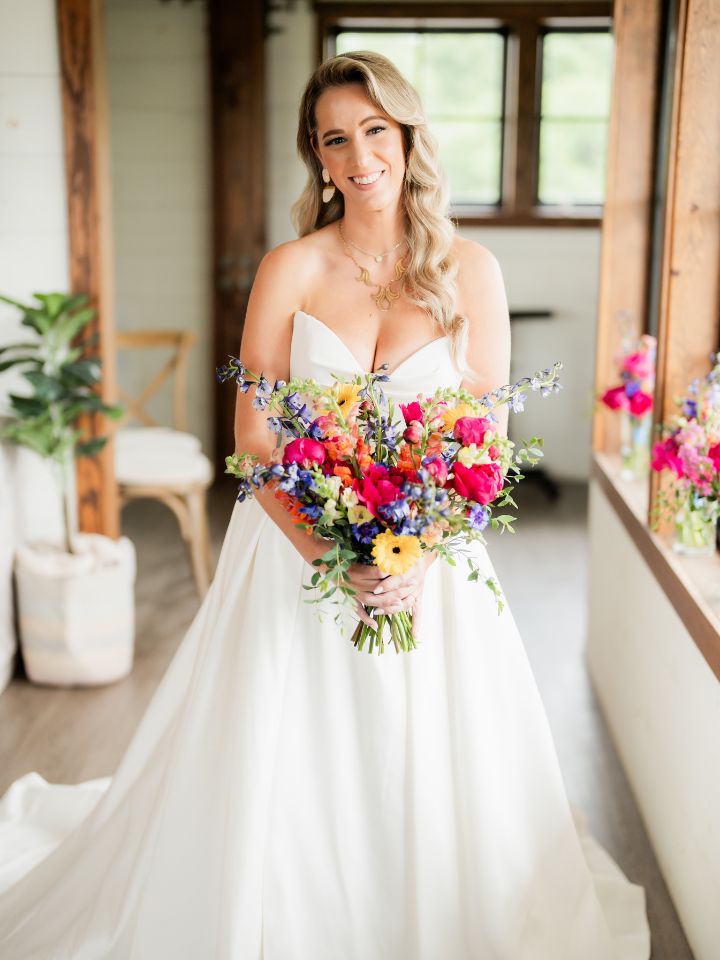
[[362, 577], [404, 591]]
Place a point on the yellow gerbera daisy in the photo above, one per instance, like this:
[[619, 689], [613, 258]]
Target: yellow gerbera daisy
[[395, 554], [347, 396], [451, 415]]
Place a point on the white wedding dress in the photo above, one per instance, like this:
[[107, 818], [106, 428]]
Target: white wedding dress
[[287, 797]]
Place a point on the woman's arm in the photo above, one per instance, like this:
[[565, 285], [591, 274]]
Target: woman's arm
[[482, 296], [265, 348]]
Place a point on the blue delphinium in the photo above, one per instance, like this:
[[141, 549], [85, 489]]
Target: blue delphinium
[[479, 516], [365, 532]]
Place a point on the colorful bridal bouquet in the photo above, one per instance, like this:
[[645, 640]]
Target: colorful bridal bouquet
[[633, 398], [382, 486], [691, 451]]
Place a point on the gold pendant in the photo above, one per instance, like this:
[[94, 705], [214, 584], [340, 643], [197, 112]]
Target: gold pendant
[[385, 297], [365, 277]]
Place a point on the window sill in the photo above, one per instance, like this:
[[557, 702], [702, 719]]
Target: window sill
[[691, 584], [478, 216]]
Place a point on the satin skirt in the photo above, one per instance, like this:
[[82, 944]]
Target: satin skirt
[[287, 797]]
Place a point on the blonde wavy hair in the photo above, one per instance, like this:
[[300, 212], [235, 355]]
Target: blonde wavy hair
[[430, 279]]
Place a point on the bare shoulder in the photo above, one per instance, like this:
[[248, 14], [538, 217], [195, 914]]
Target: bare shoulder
[[284, 275], [479, 276], [295, 262], [482, 299]]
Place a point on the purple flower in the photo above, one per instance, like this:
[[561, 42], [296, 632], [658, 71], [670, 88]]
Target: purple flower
[[365, 532], [395, 511], [479, 517], [311, 510]]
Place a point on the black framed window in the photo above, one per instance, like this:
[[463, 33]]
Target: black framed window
[[517, 94]]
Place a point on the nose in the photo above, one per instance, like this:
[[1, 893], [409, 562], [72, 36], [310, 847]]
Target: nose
[[361, 153]]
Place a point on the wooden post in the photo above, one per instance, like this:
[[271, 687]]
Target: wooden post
[[84, 105], [690, 297], [237, 63], [626, 237]]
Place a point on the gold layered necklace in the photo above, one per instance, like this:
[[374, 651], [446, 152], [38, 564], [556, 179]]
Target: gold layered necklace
[[384, 295]]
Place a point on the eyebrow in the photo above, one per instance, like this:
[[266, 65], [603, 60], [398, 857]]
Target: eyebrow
[[329, 132]]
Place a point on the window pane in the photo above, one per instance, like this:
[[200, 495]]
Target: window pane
[[459, 77], [572, 161], [575, 104], [470, 151]]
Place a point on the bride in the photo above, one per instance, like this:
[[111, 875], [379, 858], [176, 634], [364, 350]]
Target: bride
[[286, 797]]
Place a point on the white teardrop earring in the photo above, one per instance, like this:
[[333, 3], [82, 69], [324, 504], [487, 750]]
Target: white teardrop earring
[[328, 192]]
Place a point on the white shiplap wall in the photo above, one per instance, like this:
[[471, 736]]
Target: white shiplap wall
[[33, 257], [543, 267], [159, 120]]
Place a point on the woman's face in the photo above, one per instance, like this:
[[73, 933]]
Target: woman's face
[[356, 139]]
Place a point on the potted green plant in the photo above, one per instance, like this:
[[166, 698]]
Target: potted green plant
[[75, 598]]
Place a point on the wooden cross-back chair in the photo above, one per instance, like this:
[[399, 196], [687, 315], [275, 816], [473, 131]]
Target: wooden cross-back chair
[[165, 463]]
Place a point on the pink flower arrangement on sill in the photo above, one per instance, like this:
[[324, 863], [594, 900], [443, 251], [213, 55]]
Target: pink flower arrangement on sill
[[691, 451], [637, 373], [633, 398]]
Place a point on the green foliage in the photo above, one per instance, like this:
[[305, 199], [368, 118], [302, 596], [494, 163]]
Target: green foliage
[[62, 382]]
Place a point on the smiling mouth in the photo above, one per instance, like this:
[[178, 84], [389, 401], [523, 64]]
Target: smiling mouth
[[368, 179]]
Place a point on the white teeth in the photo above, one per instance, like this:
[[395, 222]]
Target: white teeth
[[369, 179]]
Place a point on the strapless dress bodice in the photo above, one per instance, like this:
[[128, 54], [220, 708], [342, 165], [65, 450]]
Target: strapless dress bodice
[[317, 352]]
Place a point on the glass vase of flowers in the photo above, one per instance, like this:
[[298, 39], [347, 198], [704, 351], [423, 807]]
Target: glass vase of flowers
[[633, 400], [690, 449]]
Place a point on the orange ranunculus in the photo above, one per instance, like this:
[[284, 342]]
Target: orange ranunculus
[[340, 447], [345, 474]]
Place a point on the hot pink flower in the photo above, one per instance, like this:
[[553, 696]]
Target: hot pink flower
[[297, 451], [378, 486], [616, 399], [714, 455], [665, 457], [413, 432], [640, 365], [471, 430], [640, 403], [437, 468], [482, 482], [412, 411]]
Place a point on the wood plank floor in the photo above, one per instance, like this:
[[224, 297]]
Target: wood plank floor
[[73, 735]]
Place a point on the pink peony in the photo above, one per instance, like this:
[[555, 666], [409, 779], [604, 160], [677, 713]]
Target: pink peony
[[616, 399], [640, 403], [412, 411], [482, 482], [300, 450], [639, 365], [471, 430], [378, 486]]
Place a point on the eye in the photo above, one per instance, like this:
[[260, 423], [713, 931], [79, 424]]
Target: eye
[[375, 128], [329, 143]]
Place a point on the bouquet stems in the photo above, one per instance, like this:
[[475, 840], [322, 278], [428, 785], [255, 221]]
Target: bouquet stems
[[401, 634]]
